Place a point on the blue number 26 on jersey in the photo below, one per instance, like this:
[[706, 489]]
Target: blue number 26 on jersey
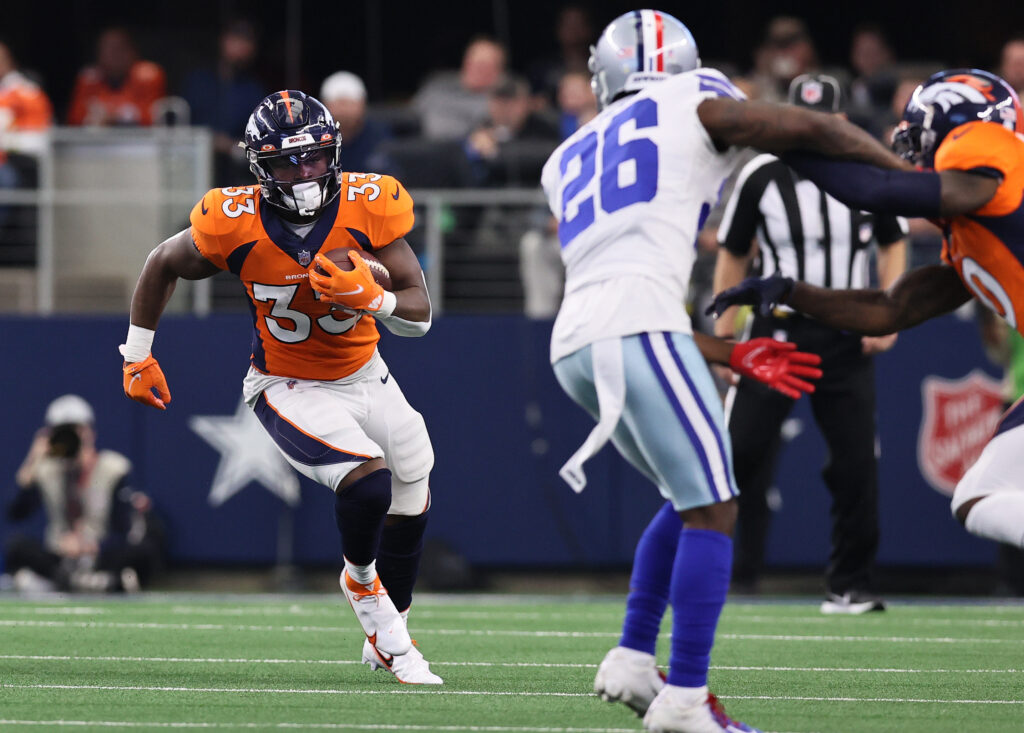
[[613, 154]]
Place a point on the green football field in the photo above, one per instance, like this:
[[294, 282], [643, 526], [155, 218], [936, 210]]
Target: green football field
[[510, 663]]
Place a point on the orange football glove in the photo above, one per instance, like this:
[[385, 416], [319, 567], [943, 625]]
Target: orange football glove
[[141, 377], [355, 289]]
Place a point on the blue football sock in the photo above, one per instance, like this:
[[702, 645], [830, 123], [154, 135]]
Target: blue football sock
[[649, 584], [398, 560], [359, 510], [700, 582]]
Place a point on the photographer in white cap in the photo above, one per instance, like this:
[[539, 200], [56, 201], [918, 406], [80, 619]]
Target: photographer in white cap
[[96, 536], [344, 95]]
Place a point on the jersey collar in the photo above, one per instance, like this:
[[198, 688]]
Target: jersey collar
[[291, 244]]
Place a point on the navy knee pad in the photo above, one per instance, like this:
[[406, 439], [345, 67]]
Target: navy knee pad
[[360, 510]]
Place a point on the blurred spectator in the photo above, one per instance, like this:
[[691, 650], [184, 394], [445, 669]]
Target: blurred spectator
[[875, 83], [514, 142], [577, 104], [223, 96], [23, 105], [1011, 66], [100, 535], [452, 103], [786, 52], [25, 112], [575, 33], [120, 89], [344, 95]]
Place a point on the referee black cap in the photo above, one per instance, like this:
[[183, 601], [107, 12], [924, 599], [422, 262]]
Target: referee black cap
[[817, 91]]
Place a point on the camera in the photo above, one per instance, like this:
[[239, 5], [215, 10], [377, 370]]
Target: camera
[[65, 442]]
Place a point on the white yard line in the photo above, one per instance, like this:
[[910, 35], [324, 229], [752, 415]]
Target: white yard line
[[553, 665], [492, 632], [290, 691]]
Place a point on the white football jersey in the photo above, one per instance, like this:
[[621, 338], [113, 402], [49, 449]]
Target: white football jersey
[[630, 190]]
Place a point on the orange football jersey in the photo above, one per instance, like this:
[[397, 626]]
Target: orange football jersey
[[295, 334], [987, 246]]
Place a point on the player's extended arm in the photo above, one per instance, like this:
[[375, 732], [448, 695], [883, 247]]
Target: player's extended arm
[[930, 194], [918, 295], [775, 363], [174, 258], [780, 128]]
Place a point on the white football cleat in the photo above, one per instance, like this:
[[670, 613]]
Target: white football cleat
[[630, 677], [409, 668], [383, 625], [690, 710]]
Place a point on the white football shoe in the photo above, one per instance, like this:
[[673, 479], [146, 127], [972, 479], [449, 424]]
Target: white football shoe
[[690, 710], [383, 625], [409, 668], [630, 677]]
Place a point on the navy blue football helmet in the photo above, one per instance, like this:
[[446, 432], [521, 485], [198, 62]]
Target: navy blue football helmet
[[947, 100], [293, 145]]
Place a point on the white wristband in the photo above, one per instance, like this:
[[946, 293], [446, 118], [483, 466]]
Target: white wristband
[[387, 307], [137, 345]]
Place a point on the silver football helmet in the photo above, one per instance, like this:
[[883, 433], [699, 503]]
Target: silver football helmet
[[638, 48]]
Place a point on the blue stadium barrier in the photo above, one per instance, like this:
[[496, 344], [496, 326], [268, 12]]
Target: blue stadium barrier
[[500, 425]]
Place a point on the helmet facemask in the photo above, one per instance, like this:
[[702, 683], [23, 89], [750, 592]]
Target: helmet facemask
[[291, 179]]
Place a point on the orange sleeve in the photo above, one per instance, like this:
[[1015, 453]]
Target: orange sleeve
[[150, 84], [212, 229], [977, 145], [987, 145], [79, 100], [391, 215], [36, 112]]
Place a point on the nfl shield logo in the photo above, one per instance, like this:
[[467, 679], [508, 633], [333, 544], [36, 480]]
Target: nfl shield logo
[[959, 417], [811, 92], [304, 257]]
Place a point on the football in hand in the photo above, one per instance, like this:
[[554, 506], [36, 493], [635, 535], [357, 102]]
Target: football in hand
[[339, 256]]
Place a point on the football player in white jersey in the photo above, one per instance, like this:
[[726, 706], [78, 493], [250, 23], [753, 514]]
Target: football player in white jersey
[[630, 190]]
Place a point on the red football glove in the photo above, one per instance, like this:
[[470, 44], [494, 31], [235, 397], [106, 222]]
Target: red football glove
[[355, 289], [777, 364], [141, 377]]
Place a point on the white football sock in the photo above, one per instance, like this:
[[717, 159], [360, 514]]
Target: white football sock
[[999, 517], [362, 574]]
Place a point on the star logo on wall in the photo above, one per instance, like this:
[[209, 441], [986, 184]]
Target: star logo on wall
[[247, 454]]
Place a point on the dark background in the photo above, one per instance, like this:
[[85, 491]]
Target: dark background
[[394, 45]]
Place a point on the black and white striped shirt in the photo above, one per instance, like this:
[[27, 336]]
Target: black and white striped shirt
[[801, 231]]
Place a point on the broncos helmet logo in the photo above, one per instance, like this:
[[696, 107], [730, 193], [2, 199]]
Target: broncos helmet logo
[[950, 93]]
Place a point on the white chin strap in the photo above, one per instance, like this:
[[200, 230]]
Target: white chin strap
[[306, 198]]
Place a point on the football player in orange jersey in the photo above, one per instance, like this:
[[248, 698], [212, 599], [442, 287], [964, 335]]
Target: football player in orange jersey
[[963, 127], [316, 380]]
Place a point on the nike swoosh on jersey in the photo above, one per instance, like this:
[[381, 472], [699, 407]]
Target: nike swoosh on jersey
[[396, 194], [357, 291], [202, 205]]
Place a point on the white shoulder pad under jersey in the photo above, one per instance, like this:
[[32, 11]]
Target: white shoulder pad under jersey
[[632, 187]]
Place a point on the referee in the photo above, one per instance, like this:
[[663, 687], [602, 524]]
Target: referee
[[792, 227]]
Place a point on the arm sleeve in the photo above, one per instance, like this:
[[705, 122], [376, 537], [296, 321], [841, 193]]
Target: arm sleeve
[[863, 186], [890, 229]]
